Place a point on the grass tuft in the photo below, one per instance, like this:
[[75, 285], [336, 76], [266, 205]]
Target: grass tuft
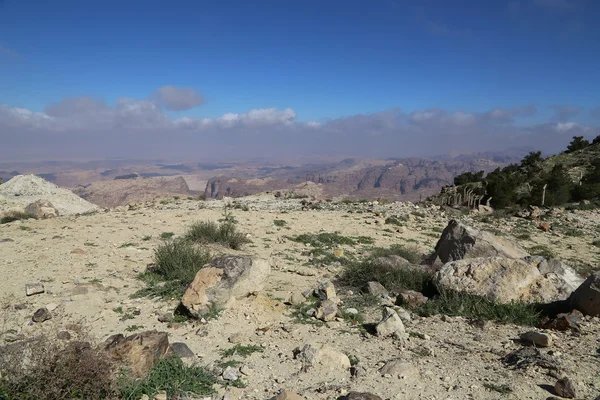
[[242, 351], [176, 264], [172, 375], [477, 307], [224, 233]]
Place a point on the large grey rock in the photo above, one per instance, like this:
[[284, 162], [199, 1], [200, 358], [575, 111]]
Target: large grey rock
[[390, 324], [326, 311], [222, 281], [459, 241], [504, 280], [586, 298], [42, 209]]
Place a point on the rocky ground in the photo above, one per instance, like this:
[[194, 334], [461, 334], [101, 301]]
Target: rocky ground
[[89, 266]]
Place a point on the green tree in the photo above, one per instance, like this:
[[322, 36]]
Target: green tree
[[578, 143], [559, 187], [468, 177]]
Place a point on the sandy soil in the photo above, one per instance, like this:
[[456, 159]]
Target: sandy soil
[[455, 360]]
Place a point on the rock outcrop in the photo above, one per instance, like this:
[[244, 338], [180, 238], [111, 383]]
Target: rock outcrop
[[223, 280], [459, 241], [504, 279]]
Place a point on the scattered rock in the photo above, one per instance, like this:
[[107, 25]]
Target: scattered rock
[[41, 315], [399, 368], [411, 299], [564, 388], [162, 395], [326, 291], [238, 337], [376, 289], [222, 281], [504, 280], [42, 209], [181, 350], [138, 352], [539, 339], [586, 298], [230, 374], [34, 288], [77, 251], [326, 311], [390, 324], [529, 356], [459, 241], [287, 395], [564, 321]]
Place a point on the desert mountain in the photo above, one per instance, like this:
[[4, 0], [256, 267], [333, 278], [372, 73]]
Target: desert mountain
[[135, 189]]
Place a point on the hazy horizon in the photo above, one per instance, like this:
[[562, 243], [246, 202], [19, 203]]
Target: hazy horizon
[[233, 80]]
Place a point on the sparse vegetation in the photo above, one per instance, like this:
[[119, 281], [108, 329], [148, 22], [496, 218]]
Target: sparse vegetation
[[280, 223], [172, 375], [502, 389], [15, 216], [53, 370], [477, 307], [410, 253], [330, 239], [224, 233], [166, 235], [128, 244], [147, 238], [541, 250], [176, 264]]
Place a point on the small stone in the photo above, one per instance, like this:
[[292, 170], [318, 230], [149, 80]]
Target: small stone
[[390, 324], [230, 374], [160, 396], [326, 311], [164, 318], [351, 311], [20, 306], [399, 368], [339, 253], [403, 314], [180, 350], [41, 315], [544, 226], [564, 388], [63, 335], [326, 291], [34, 288], [357, 371], [246, 370], [537, 338], [51, 307], [144, 397], [236, 338], [376, 289], [77, 251], [411, 299], [297, 298]]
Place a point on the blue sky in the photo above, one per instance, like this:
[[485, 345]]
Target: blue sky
[[322, 59]]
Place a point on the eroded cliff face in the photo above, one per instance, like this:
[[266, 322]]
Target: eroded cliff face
[[408, 180]]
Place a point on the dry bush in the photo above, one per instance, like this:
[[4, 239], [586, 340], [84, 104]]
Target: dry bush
[[48, 370]]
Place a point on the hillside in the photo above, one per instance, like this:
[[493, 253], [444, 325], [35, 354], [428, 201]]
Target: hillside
[[572, 176], [404, 180]]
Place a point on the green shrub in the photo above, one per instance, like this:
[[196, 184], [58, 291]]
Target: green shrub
[[411, 254], [172, 375], [395, 279], [175, 266], [224, 233], [477, 307]]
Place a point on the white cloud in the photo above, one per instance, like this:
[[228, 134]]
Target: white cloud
[[177, 99]]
